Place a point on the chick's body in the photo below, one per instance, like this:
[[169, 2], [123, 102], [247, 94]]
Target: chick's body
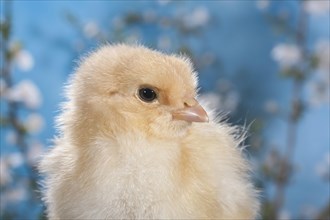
[[120, 155]]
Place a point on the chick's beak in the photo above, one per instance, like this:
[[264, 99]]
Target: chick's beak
[[194, 113]]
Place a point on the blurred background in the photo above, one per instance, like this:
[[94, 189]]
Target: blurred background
[[263, 63]]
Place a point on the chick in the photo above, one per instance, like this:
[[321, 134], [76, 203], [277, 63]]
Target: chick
[[134, 143]]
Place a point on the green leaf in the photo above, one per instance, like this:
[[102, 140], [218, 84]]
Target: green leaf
[[314, 62], [133, 18], [71, 18], [5, 29], [298, 108], [4, 121], [14, 49], [268, 210], [293, 72], [186, 51]]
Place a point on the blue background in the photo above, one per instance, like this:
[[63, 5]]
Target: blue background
[[239, 35]]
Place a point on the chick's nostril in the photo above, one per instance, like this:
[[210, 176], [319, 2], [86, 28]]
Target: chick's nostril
[[190, 102]]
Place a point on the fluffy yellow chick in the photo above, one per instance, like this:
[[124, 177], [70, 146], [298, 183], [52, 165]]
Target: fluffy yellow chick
[[134, 143]]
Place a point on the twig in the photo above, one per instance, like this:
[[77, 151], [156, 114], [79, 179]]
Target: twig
[[295, 113], [13, 107]]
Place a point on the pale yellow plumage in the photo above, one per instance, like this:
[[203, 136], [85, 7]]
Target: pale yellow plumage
[[118, 156]]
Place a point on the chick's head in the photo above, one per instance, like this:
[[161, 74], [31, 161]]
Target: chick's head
[[122, 88]]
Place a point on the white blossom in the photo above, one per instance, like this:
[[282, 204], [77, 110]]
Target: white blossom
[[35, 151], [224, 85], [16, 195], [226, 102], [263, 4], [287, 55], [284, 14], [164, 43], [5, 176], [231, 101], [118, 23], [25, 92], [271, 106], [15, 159], [2, 202], [3, 87], [319, 85], [197, 18], [207, 58], [315, 7], [24, 60], [133, 38], [309, 212], [149, 15], [323, 167], [11, 137], [322, 52], [163, 2], [284, 215], [271, 160], [91, 29], [79, 45], [228, 96], [212, 100], [318, 92], [34, 123]]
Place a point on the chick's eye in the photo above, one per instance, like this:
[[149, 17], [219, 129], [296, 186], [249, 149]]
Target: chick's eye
[[147, 94]]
